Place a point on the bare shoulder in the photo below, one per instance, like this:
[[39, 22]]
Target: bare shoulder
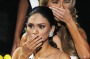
[[16, 53], [63, 55], [18, 49]]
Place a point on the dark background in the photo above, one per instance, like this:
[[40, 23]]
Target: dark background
[[8, 13]]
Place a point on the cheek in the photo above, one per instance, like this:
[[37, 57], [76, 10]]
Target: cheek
[[28, 31], [44, 34], [67, 5], [51, 5]]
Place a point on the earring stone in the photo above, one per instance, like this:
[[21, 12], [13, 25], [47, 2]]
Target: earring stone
[[51, 34]]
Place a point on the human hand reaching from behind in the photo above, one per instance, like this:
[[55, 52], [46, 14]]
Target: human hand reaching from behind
[[62, 14]]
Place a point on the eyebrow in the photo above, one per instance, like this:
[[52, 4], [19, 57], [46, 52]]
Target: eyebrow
[[41, 23], [55, 0], [38, 23]]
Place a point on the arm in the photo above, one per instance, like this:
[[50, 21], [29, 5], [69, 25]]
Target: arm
[[78, 35], [22, 9], [18, 54], [23, 6], [79, 39]]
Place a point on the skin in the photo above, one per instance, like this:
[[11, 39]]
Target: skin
[[39, 28], [62, 14], [22, 9]]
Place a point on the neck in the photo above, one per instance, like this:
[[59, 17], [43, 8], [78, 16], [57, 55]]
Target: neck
[[42, 52]]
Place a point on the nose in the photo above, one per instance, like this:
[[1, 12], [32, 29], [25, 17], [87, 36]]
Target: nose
[[35, 31], [61, 3]]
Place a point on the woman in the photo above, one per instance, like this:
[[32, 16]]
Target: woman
[[40, 26], [64, 11], [75, 31]]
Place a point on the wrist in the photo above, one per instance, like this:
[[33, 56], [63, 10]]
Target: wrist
[[17, 34], [71, 23], [23, 56]]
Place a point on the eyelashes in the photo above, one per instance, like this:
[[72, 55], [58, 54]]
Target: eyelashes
[[57, 1], [39, 26], [67, 1], [30, 25]]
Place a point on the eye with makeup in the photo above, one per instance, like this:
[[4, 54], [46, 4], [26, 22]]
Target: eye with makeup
[[30, 26], [66, 1], [41, 26], [55, 1]]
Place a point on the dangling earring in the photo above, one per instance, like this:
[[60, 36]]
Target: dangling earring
[[50, 34]]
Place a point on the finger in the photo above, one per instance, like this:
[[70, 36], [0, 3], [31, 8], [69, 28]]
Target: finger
[[33, 48], [57, 9], [34, 42], [37, 41], [57, 14], [58, 18], [31, 38], [37, 46]]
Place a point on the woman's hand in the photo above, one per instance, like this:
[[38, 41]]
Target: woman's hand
[[62, 14], [31, 45], [23, 39]]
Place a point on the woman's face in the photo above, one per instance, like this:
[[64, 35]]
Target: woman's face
[[58, 3], [38, 25]]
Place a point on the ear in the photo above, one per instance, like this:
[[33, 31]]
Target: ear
[[52, 31], [52, 28]]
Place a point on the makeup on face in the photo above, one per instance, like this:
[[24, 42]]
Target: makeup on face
[[38, 25]]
